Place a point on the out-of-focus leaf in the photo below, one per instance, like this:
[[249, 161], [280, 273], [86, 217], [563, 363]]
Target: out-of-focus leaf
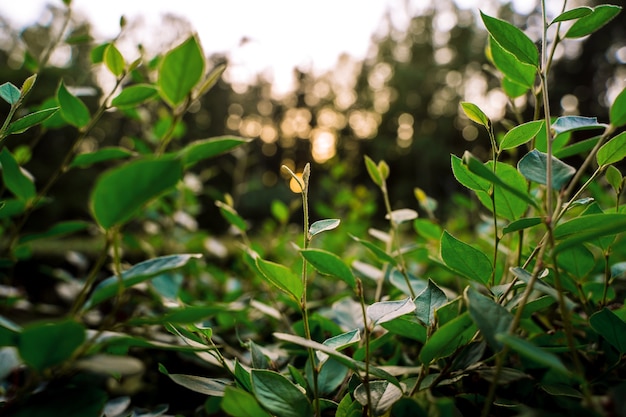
[[490, 317], [20, 184], [134, 95], [239, 403], [49, 343], [610, 327], [181, 69], [618, 110], [85, 160], [203, 149], [73, 109], [613, 151], [23, 124]]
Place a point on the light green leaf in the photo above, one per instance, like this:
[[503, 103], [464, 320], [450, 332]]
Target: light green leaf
[[534, 164], [372, 170], [533, 352], [85, 160], [181, 69], [211, 80], [203, 149], [134, 95], [281, 277], [239, 403], [279, 395], [10, 93], [512, 39], [508, 205], [453, 335], [323, 226], [593, 21], [467, 178], [465, 259], [24, 123], [50, 343], [383, 311], [73, 109], [428, 301], [513, 89], [120, 192], [97, 53], [521, 134], [140, 272], [613, 151], [114, 60], [382, 394], [613, 329], [617, 113], [231, 216], [20, 184], [614, 177], [587, 228], [328, 263], [514, 70], [576, 13], [475, 114], [521, 224], [490, 317], [575, 123]]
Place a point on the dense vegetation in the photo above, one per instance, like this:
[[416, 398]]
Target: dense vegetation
[[116, 302]]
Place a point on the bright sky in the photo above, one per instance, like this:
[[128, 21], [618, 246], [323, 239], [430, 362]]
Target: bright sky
[[282, 34]]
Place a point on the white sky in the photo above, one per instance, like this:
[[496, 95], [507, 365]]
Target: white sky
[[282, 33]]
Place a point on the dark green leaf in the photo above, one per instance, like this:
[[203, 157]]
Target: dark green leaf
[[593, 21], [231, 216], [533, 352], [381, 393], [577, 148], [281, 277], [239, 403], [114, 60], [328, 263], [73, 109], [87, 400], [120, 192], [279, 395], [508, 205], [10, 93], [140, 272], [134, 95], [588, 228], [512, 39], [514, 70], [20, 184], [85, 160], [618, 110], [428, 301], [534, 165], [490, 317], [181, 69], [378, 252], [465, 259], [521, 134], [610, 327], [208, 386], [576, 13], [47, 344], [203, 149], [521, 224], [23, 124], [57, 230], [614, 178], [407, 326], [448, 338], [97, 53], [475, 114], [323, 226], [574, 123], [330, 377], [577, 260], [540, 286], [613, 151]]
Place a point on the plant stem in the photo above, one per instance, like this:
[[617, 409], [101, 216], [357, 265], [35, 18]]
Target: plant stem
[[366, 337]]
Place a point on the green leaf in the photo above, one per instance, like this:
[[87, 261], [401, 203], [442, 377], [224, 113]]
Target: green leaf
[[508, 205], [231, 216], [540, 286], [203, 149], [613, 151], [521, 224], [20, 184], [339, 342], [114, 60], [372, 170], [407, 326], [534, 164], [47, 344], [24, 123], [97, 53], [28, 84], [207, 386], [514, 70], [575, 123], [511, 39], [140, 272], [348, 408], [467, 178], [328, 263], [521, 134], [577, 148], [134, 95], [57, 230], [453, 335], [576, 13], [279, 395], [613, 329], [331, 375], [617, 113], [85, 160], [323, 226], [281, 277], [181, 69], [428, 301], [378, 252], [490, 317], [384, 311], [382, 394], [211, 80], [465, 259], [73, 109], [533, 352], [427, 229], [120, 192], [593, 21], [588, 228], [239, 403], [475, 114], [614, 178], [10, 93], [577, 260], [513, 89]]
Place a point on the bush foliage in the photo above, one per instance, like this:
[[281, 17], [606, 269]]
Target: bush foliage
[[521, 315]]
